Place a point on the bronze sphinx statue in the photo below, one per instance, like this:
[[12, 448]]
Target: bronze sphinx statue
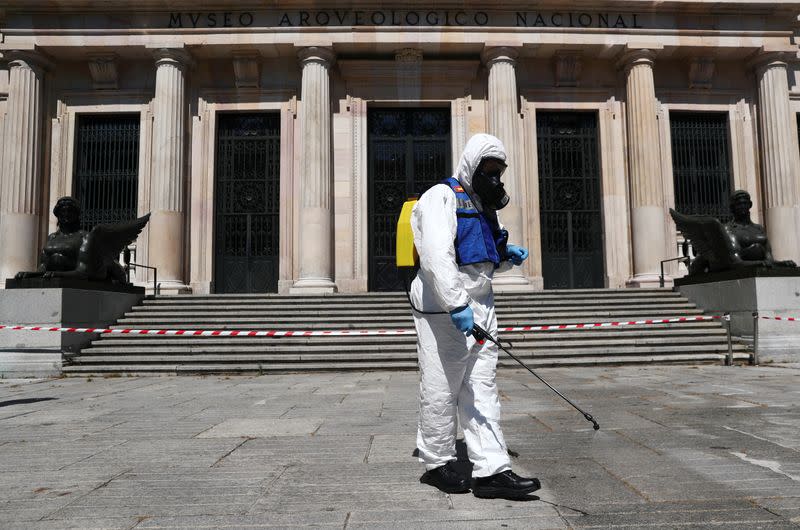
[[74, 253], [738, 243]]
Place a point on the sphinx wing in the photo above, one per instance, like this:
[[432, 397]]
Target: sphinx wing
[[107, 241], [708, 236]]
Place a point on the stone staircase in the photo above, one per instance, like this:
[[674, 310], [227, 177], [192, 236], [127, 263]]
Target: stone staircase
[[694, 342]]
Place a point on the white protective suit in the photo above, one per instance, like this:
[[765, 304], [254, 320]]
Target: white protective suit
[[457, 375]]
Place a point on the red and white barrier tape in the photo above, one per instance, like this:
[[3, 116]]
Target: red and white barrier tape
[[790, 319], [339, 332], [612, 324]]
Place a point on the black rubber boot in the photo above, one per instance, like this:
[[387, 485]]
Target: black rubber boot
[[446, 478], [505, 485]]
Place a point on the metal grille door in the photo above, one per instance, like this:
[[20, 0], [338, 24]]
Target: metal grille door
[[701, 163], [409, 151], [107, 168], [569, 194], [246, 200]]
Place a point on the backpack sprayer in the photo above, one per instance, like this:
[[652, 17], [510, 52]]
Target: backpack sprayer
[[408, 262]]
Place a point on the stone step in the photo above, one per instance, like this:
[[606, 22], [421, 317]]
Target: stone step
[[691, 342], [530, 318], [401, 294], [236, 355], [409, 345], [242, 368], [188, 312], [402, 303], [258, 368], [506, 362], [662, 331]]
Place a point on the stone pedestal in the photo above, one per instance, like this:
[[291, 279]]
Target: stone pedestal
[[770, 292], [40, 353]]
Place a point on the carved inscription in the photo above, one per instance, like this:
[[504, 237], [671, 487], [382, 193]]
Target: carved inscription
[[399, 17]]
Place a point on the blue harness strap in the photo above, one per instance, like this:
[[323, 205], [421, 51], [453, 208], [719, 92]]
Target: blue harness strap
[[479, 237]]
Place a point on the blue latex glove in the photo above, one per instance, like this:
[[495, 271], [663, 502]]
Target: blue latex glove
[[463, 319], [516, 254]]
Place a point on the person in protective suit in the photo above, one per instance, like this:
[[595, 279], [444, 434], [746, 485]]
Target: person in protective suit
[[461, 243]]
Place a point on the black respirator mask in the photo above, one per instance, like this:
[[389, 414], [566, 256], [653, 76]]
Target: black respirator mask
[[487, 185]]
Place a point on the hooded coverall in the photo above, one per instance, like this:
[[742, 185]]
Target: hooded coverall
[[457, 375]]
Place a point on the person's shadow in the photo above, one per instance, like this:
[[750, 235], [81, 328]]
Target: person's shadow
[[24, 401]]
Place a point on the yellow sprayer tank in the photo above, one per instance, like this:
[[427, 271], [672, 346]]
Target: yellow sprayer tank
[[406, 253]]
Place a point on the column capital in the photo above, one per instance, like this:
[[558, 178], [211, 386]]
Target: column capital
[[175, 56], [499, 54], [771, 59], [32, 59], [636, 57], [316, 54]]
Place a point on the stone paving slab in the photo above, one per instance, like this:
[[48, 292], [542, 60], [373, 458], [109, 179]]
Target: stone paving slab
[[679, 447]]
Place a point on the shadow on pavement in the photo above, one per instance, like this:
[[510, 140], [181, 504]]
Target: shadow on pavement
[[24, 401]]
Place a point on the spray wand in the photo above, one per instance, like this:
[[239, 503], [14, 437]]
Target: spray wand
[[481, 334]]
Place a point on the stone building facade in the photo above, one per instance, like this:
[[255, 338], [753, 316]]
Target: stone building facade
[[274, 145]]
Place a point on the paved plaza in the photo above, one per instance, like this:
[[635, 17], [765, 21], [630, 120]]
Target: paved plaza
[[679, 447]]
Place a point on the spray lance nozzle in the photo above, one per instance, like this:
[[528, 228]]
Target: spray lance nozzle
[[481, 334]]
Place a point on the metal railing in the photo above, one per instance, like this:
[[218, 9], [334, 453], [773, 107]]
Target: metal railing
[[754, 358], [129, 265], [683, 246], [663, 261]]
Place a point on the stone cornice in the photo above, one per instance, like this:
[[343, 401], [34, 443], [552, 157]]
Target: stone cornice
[[683, 6]]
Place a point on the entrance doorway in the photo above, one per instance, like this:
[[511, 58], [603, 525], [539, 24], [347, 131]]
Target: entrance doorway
[[247, 203], [409, 151], [701, 163], [107, 168], [569, 195]]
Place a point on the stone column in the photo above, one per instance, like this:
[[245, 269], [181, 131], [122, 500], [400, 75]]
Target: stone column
[[503, 123], [21, 194], [167, 186], [644, 163], [780, 157], [316, 213]]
